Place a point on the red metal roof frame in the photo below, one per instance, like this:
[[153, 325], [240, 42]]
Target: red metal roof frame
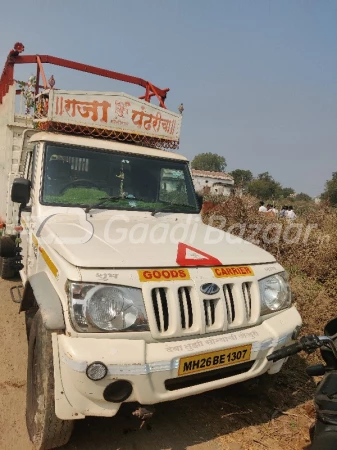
[[7, 77]]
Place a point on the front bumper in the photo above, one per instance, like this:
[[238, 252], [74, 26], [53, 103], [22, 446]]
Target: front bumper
[[149, 366]]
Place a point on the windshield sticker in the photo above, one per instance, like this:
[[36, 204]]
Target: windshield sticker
[[163, 274], [233, 271], [189, 256]]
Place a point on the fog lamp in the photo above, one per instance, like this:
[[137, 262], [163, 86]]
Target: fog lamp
[[96, 371]]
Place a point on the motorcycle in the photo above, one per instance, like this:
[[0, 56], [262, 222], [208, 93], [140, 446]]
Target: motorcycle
[[323, 433]]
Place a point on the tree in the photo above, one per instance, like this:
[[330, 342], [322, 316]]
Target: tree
[[265, 176], [241, 177], [265, 187], [330, 192], [303, 197], [210, 162], [287, 192]]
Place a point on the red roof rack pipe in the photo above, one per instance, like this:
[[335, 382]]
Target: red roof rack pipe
[[7, 77]]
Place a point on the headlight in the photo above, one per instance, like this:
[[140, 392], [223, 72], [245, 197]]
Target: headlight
[[103, 307], [275, 293]]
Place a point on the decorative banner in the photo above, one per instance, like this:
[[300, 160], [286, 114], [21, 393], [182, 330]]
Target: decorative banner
[[190, 256], [117, 112]]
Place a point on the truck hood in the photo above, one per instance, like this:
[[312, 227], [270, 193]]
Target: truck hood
[[137, 240]]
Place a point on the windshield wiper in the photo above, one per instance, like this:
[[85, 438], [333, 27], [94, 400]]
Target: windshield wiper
[[164, 208], [101, 202], [111, 199]]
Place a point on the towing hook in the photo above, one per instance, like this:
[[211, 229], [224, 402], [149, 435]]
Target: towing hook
[[144, 413]]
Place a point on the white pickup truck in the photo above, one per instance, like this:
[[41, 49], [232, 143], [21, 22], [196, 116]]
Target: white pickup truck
[[128, 296]]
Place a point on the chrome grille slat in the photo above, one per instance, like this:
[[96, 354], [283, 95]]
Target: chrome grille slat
[[229, 300], [246, 290], [209, 307], [186, 310], [159, 301]]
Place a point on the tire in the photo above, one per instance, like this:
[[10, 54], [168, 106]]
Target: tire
[[6, 271], [7, 246], [326, 441], [45, 430]]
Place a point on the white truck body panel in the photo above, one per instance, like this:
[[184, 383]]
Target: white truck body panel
[[148, 365], [120, 239], [43, 136], [15, 129]]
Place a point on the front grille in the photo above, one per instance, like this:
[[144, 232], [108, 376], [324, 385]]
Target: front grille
[[161, 308], [175, 311], [174, 384]]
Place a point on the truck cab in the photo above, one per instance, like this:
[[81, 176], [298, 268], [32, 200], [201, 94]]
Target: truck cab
[[128, 295]]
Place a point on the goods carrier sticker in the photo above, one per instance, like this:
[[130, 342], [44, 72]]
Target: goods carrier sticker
[[232, 271], [163, 274]]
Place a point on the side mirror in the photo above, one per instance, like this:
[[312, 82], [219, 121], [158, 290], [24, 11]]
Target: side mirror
[[330, 329], [21, 191], [200, 200]]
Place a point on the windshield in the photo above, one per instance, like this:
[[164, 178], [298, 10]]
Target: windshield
[[78, 176]]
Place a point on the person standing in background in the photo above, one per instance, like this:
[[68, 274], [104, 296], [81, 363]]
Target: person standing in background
[[270, 210], [275, 210], [283, 212], [290, 213], [262, 207]]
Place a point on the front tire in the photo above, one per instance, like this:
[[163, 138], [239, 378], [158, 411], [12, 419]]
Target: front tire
[[45, 430]]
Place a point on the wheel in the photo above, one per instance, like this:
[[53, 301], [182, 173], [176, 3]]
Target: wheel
[[325, 441], [45, 430], [7, 246], [6, 271]]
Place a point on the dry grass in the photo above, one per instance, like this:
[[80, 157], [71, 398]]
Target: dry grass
[[312, 264], [307, 248]]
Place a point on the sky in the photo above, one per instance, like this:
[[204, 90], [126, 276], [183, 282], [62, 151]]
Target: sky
[[258, 78]]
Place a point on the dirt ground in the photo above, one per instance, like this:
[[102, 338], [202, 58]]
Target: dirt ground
[[275, 416]]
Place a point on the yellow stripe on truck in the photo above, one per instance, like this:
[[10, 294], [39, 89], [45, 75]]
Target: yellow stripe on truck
[[49, 262], [35, 241], [163, 274]]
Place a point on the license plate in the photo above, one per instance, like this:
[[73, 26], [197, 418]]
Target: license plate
[[214, 360]]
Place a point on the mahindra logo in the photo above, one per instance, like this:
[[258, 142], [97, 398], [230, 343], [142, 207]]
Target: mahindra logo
[[209, 288]]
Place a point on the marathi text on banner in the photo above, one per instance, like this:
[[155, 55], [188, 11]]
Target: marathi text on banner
[[116, 112], [152, 121]]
